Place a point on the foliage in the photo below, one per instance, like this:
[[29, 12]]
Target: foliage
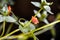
[[28, 28]]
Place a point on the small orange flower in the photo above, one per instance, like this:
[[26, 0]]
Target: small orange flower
[[9, 8], [34, 20]]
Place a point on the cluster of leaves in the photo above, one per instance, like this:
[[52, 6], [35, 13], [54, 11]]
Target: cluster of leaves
[[25, 27], [8, 2]]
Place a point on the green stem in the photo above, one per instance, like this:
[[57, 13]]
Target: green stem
[[35, 16], [38, 12], [53, 32], [8, 30], [3, 29], [42, 31], [33, 36], [11, 37], [46, 26], [31, 31], [9, 34]]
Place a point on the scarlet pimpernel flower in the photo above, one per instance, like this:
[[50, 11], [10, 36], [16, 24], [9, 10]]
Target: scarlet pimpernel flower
[[4, 16], [45, 6], [34, 20], [9, 9], [42, 17]]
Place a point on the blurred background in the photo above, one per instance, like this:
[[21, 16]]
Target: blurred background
[[24, 9]]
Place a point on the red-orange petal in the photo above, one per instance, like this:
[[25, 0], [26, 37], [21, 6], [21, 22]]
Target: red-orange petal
[[34, 20], [9, 8]]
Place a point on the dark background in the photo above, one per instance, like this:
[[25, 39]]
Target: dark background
[[23, 8]]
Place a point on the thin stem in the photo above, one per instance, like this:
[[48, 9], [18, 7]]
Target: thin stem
[[53, 32], [38, 12], [37, 38], [34, 36], [3, 29], [12, 37], [42, 31], [15, 36], [8, 30], [35, 16], [9, 34], [46, 26], [31, 31]]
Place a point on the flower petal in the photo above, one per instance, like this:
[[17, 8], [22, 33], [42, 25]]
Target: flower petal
[[9, 9], [38, 15], [34, 20], [10, 19], [37, 4], [48, 9]]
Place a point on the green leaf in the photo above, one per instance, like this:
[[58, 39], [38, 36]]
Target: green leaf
[[37, 4], [43, 16], [10, 19], [48, 9], [45, 13], [14, 16], [1, 18], [32, 27], [27, 27], [37, 13], [24, 29]]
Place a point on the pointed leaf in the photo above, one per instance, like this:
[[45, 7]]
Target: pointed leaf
[[37, 4], [10, 19], [1, 18], [48, 9], [45, 13], [24, 30], [32, 27], [43, 16], [38, 14], [46, 21], [49, 3], [4, 9]]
